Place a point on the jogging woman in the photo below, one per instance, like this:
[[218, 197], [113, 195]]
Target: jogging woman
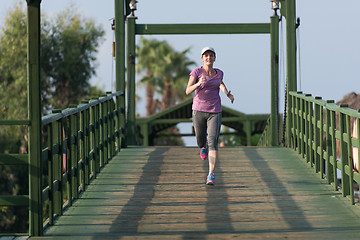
[[206, 82]]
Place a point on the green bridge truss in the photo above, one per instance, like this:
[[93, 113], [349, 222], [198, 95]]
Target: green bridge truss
[[97, 129]]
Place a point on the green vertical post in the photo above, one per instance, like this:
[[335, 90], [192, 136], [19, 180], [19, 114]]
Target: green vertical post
[[350, 162], [321, 143], [34, 108], [86, 145], [145, 132], [50, 130], [343, 152], [83, 148], [57, 165], [317, 136], [296, 123], [120, 63], [69, 156], [292, 101], [329, 173], [302, 127], [291, 118], [102, 134], [290, 53], [310, 138], [334, 148], [274, 33], [291, 44], [97, 141], [93, 140], [248, 132], [73, 153], [131, 133]]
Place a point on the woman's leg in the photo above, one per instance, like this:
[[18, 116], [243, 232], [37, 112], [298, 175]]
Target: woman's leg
[[213, 155], [214, 124], [200, 126]]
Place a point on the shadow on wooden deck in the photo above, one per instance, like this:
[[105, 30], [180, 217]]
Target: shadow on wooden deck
[[160, 193]]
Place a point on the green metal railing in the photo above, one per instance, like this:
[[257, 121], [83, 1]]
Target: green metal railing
[[265, 139], [18, 161], [321, 132], [78, 142]]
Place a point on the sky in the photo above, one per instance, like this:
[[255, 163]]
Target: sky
[[328, 44]]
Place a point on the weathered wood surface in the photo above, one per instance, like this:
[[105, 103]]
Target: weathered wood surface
[[159, 193]]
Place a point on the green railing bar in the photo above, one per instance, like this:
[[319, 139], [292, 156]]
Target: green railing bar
[[227, 28], [82, 107], [14, 159], [265, 139], [14, 201], [14, 122], [171, 121], [308, 97]]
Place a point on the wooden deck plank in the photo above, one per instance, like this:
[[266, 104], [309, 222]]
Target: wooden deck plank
[[159, 193]]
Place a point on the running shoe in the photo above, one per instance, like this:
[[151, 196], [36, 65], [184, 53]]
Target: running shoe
[[210, 179], [204, 151]]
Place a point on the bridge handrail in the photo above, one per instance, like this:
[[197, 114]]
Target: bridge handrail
[[323, 134], [265, 139], [81, 107], [87, 136], [78, 142]]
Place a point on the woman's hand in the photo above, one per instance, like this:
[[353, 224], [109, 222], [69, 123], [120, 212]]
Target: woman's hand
[[202, 80], [193, 84], [231, 97]]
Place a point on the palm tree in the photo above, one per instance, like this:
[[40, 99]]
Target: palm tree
[[181, 76], [146, 60], [174, 69], [166, 72]]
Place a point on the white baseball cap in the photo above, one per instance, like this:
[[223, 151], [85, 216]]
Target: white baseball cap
[[207, 49]]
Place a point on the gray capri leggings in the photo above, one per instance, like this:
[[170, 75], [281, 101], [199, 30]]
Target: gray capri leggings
[[207, 124]]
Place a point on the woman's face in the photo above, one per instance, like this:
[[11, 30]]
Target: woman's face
[[208, 58]]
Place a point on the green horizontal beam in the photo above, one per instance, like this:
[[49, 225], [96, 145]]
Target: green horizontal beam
[[170, 121], [256, 117], [193, 134], [236, 119], [224, 119], [14, 159], [81, 107], [228, 28], [11, 201], [14, 122]]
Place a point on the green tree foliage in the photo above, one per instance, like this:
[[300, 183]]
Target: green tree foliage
[[68, 52], [13, 72], [69, 45]]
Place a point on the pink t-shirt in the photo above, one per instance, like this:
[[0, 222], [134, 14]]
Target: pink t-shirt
[[207, 98]]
